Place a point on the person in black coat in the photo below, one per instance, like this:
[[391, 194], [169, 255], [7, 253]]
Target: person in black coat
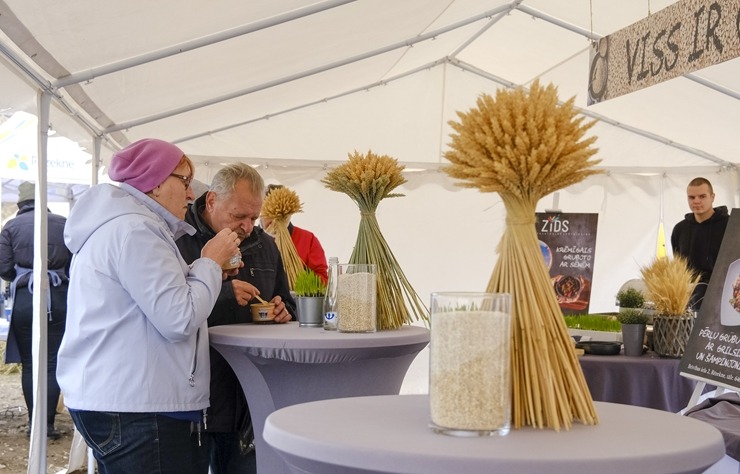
[[16, 266], [699, 236], [235, 201]]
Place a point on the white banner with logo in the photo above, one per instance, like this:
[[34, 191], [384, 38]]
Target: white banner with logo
[[67, 162]]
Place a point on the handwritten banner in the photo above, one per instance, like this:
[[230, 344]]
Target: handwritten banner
[[684, 37], [567, 241], [713, 352]]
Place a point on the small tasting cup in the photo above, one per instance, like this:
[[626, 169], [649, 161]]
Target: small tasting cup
[[263, 313]]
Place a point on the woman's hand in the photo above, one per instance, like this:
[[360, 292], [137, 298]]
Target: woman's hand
[[221, 248]]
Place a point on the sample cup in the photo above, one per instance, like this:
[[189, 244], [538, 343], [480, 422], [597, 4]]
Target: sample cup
[[469, 369], [356, 290]]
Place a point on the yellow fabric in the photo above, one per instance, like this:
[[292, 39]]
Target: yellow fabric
[[660, 249]]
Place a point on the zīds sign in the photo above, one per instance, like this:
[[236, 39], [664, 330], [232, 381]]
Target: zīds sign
[[66, 163], [684, 37], [568, 244]]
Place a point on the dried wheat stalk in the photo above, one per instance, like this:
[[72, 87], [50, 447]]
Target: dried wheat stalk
[[670, 283], [7, 369], [524, 146], [280, 205], [368, 179]]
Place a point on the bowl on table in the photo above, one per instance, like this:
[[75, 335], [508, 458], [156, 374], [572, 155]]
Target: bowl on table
[[600, 347]]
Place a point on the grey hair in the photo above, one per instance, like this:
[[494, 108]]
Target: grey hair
[[224, 181]]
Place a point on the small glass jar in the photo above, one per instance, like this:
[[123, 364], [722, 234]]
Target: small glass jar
[[469, 368], [233, 262], [356, 293]]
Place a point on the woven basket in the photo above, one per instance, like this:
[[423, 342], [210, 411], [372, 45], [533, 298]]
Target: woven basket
[[671, 333]]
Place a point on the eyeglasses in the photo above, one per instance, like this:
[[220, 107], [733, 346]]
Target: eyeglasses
[[186, 180]]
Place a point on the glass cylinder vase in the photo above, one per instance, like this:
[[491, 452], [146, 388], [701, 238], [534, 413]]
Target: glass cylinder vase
[[469, 368], [356, 294]]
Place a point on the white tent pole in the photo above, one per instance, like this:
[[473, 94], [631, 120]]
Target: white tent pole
[[309, 72], [364, 88], [198, 43], [78, 450], [590, 113], [97, 142], [485, 28], [42, 83], [557, 22], [443, 95], [37, 447], [593, 36]]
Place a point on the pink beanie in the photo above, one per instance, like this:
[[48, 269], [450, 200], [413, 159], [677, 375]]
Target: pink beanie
[[145, 164]]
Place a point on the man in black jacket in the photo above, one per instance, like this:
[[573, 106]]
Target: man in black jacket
[[699, 236], [16, 266], [235, 201]]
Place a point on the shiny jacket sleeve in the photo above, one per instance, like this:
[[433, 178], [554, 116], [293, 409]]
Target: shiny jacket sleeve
[[7, 260]]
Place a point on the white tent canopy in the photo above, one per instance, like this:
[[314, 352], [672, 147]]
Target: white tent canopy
[[293, 86], [311, 80]]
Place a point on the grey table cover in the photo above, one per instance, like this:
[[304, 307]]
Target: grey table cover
[[390, 434], [723, 413], [647, 381], [282, 364]]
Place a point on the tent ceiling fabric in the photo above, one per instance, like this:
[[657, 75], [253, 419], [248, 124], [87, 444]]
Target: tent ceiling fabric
[[315, 80]]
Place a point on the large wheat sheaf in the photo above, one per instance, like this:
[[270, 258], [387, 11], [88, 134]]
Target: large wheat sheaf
[[368, 179], [525, 145]]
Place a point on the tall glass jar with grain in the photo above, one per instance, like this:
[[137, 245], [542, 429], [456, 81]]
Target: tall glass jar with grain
[[469, 369], [356, 293]]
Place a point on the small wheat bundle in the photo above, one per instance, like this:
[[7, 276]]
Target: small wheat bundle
[[670, 283], [368, 179], [524, 146], [279, 206]]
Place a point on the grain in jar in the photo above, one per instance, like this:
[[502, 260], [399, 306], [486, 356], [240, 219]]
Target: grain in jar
[[356, 295], [469, 373]]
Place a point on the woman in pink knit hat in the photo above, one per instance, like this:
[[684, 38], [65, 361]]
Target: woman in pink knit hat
[[133, 365]]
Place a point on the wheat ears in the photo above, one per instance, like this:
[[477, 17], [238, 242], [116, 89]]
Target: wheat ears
[[521, 143]]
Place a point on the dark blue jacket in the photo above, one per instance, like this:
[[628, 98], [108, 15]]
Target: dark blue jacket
[[16, 244], [16, 248], [263, 268]]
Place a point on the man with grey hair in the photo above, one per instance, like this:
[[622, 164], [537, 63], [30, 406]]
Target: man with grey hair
[[234, 201]]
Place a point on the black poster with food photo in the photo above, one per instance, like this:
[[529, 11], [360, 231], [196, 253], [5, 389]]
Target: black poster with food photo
[[713, 352], [568, 241]]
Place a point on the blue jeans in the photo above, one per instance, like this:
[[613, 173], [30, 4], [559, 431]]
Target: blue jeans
[[145, 443]]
